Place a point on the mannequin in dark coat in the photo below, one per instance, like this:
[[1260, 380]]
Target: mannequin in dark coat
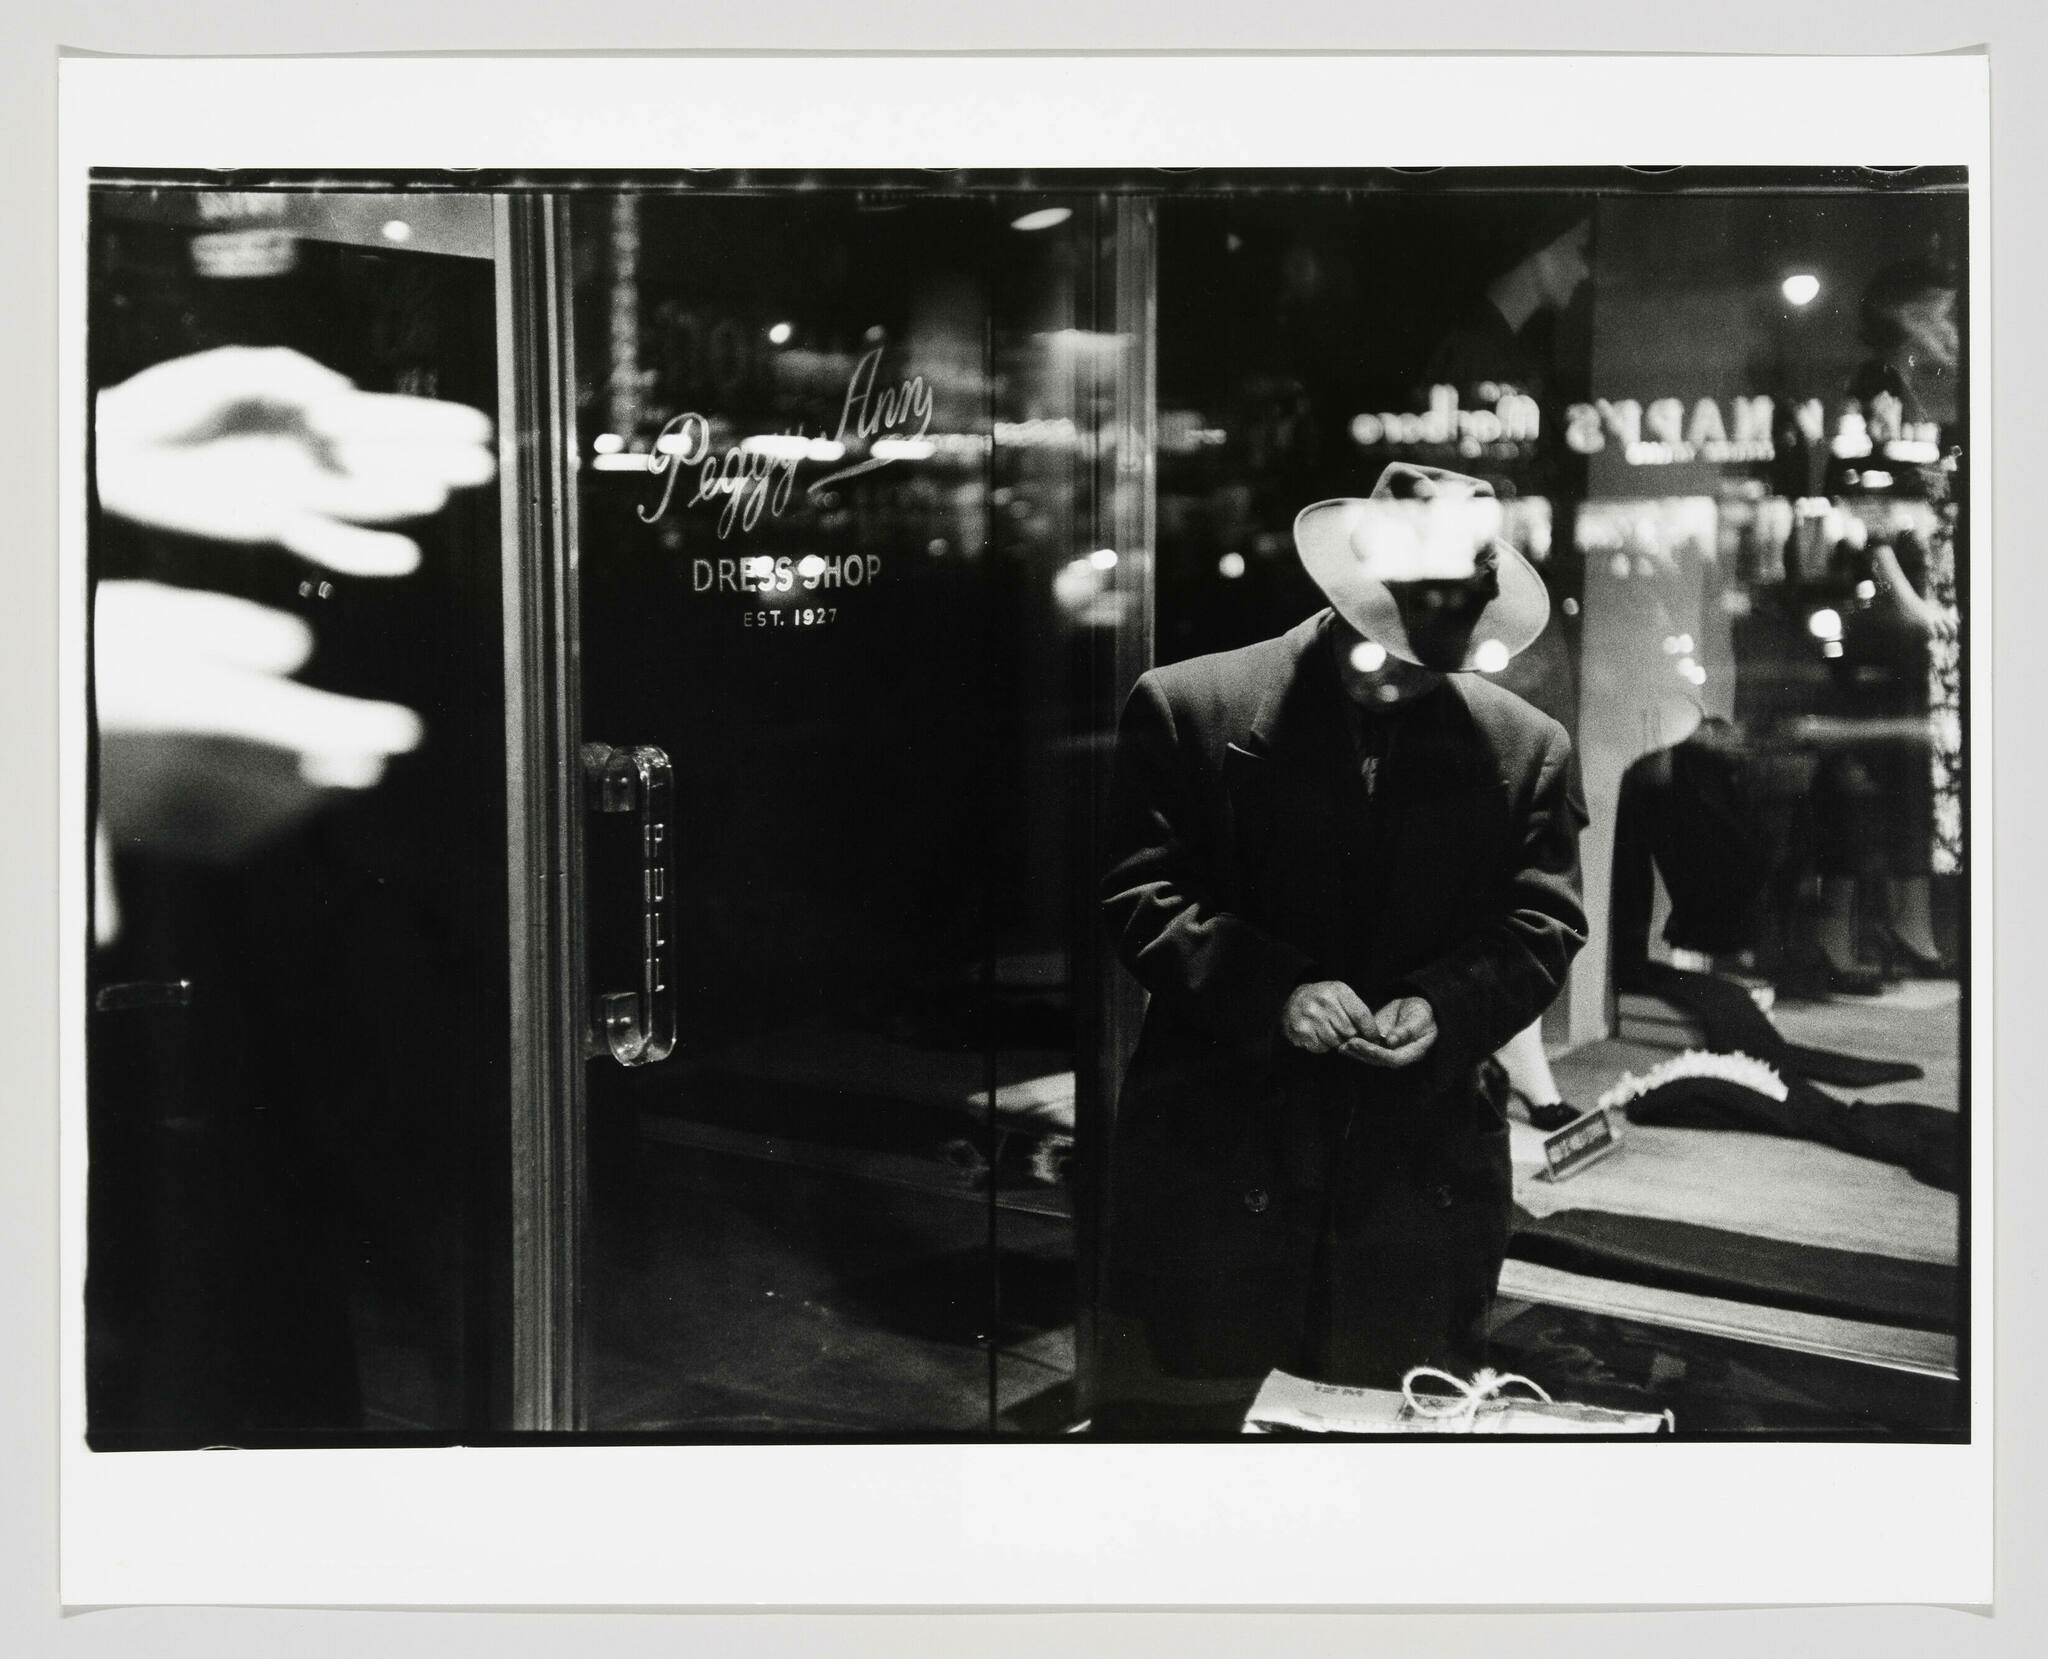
[[1273, 1207]]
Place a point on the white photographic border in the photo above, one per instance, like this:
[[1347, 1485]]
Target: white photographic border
[[1076, 1525]]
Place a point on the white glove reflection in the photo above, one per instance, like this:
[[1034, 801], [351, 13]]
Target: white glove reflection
[[251, 444], [207, 745], [180, 660]]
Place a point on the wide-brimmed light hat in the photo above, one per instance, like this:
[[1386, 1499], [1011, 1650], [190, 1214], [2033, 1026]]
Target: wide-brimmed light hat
[[1419, 568]]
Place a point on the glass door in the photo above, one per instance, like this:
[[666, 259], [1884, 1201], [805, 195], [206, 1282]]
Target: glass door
[[857, 555]]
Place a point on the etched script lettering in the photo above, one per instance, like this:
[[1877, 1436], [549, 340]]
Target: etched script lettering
[[870, 411], [750, 478], [757, 475]]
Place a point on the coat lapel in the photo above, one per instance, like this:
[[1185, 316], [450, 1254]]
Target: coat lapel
[[1293, 780], [1299, 712], [1305, 724]]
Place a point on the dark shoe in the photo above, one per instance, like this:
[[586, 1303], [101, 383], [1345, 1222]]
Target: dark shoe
[[1816, 976], [1550, 1118], [1901, 957]]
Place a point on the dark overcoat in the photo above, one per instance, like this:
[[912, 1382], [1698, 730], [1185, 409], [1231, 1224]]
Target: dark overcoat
[[1268, 1207]]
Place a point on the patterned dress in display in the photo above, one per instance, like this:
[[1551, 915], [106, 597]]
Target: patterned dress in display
[[1945, 698]]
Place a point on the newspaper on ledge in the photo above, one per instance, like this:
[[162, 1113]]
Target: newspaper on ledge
[[1294, 1404]]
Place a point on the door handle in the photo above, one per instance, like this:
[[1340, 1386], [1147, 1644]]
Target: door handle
[[638, 1027]]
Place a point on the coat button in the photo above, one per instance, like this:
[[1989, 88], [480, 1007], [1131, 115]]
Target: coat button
[[1257, 1200], [1444, 1197]]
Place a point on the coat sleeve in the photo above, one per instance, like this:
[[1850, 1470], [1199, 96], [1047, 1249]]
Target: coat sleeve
[[1165, 895], [1504, 976]]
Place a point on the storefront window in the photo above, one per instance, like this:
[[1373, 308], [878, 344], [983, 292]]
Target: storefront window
[[702, 1004], [1725, 429]]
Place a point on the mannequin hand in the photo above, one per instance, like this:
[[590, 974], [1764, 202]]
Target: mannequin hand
[[1326, 1014], [207, 746], [182, 662], [1409, 1027], [247, 444]]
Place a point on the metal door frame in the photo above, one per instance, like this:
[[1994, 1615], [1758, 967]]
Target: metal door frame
[[544, 829], [1125, 503]]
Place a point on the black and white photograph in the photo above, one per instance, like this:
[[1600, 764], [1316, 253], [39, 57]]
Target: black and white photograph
[[877, 806], [750, 806]]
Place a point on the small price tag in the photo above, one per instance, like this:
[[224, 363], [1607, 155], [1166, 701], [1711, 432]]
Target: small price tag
[[1578, 1144]]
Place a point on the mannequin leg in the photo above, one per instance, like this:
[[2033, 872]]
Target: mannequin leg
[[1528, 1069], [1912, 918], [1835, 927]]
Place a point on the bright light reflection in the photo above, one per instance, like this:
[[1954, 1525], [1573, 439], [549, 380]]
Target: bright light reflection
[[1086, 340], [622, 463], [780, 333], [810, 567], [1491, 657], [397, 230], [1368, 656], [1230, 566], [1802, 288], [1103, 558], [1866, 590], [1043, 218], [1076, 584], [784, 446], [1825, 624], [607, 443]]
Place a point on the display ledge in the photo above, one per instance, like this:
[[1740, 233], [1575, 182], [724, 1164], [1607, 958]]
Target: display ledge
[[1741, 1267], [1924, 1353]]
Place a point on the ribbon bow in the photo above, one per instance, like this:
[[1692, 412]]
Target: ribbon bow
[[1470, 1396]]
